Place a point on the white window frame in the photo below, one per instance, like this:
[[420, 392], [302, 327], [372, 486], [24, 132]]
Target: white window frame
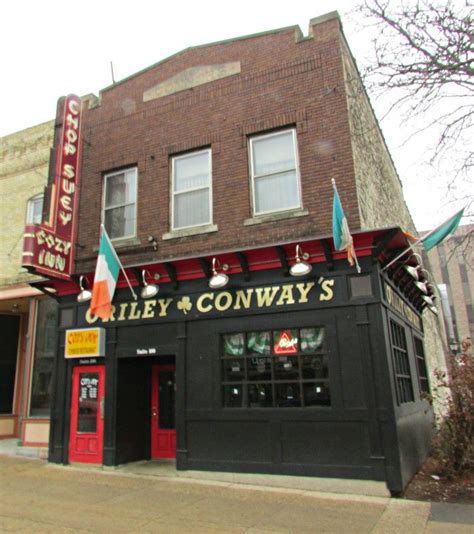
[[30, 208], [173, 193], [109, 175], [253, 176]]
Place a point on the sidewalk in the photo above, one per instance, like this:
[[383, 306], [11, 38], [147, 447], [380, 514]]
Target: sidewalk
[[39, 497]]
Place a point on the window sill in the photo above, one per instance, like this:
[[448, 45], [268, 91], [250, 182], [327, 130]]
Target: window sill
[[187, 232], [278, 216], [122, 243]]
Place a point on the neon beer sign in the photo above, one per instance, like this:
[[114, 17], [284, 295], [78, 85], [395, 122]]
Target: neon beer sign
[[286, 344]]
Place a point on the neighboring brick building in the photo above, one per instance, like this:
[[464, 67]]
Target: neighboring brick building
[[452, 266], [222, 155], [26, 316]]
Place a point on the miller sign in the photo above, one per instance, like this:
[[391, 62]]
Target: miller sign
[[48, 248]]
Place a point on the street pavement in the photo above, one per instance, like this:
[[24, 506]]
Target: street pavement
[[39, 497]]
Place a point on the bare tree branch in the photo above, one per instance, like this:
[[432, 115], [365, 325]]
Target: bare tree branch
[[423, 59]]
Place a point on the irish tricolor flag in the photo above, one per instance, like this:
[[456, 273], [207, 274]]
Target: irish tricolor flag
[[105, 279], [340, 230]]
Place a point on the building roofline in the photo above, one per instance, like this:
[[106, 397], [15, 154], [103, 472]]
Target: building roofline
[[295, 28]]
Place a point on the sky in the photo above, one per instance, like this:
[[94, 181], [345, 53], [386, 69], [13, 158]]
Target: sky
[[51, 48]]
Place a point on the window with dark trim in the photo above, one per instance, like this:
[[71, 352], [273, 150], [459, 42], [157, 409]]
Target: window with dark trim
[[286, 368], [44, 358], [421, 366], [401, 364]]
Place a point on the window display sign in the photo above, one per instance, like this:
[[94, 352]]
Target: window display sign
[[48, 248], [84, 343], [286, 342]]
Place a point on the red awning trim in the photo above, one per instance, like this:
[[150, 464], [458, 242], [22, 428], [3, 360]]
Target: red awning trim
[[258, 259]]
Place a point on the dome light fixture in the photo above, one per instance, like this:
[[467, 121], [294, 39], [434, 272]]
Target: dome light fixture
[[85, 294], [301, 267], [428, 300], [412, 271], [422, 286], [149, 290], [218, 280]]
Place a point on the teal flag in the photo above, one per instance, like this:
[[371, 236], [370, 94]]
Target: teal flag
[[437, 235]]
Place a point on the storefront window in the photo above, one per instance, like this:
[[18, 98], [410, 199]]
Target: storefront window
[[401, 364], [282, 368], [43, 358], [421, 367], [258, 342], [234, 344], [9, 326]]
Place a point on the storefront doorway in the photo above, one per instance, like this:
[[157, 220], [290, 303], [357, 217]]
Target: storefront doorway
[[163, 428], [87, 414]]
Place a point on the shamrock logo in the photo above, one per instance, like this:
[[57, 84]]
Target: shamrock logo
[[185, 305]]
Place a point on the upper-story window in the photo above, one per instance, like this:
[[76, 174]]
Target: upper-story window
[[120, 203], [34, 210], [191, 202], [274, 172]]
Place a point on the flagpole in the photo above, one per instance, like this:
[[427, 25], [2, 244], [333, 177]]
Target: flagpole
[[421, 239], [119, 262], [401, 255]]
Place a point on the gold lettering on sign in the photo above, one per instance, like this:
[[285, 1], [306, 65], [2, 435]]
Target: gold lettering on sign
[[402, 307], [222, 301], [328, 294], [149, 309], [286, 296], [90, 318], [123, 308], [227, 297], [304, 289], [266, 295], [134, 315], [243, 298], [199, 304], [164, 305]]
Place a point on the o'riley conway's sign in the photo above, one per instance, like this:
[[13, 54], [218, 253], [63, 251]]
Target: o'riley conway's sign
[[218, 303], [396, 302]]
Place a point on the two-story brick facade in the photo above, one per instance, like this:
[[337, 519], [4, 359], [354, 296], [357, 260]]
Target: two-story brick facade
[[219, 160]]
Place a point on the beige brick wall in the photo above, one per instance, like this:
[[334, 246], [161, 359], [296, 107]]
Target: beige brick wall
[[379, 190], [24, 159]]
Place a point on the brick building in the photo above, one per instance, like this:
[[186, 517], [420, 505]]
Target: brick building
[[218, 161], [27, 317], [451, 265]]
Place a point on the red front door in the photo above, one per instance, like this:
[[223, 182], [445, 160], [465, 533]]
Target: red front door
[[163, 432], [87, 414]]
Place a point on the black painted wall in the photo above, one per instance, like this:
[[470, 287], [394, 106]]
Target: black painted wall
[[363, 434]]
